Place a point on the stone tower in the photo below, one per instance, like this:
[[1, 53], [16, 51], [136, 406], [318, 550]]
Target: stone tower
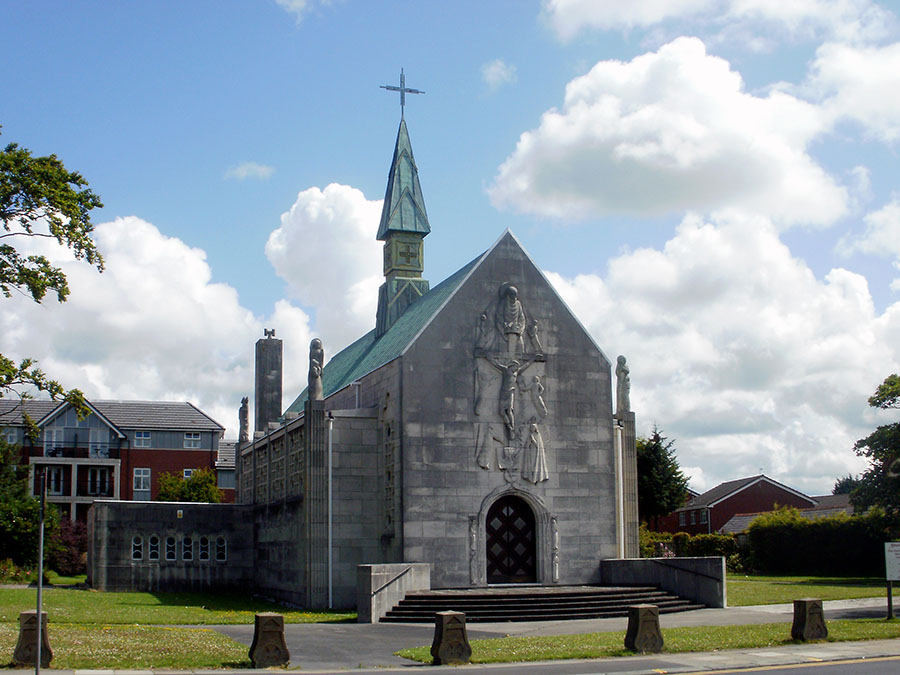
[[267, 399]]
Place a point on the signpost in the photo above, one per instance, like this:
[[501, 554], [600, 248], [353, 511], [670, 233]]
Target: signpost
[[892, 571]]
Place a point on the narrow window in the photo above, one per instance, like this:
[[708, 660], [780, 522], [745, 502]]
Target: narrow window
[[153, 552], [204, 548], [141, 479], [137, 548], [187, 549], [192, 439], [98, 481], [142, 439], [170, 548], [54, 480], [221, 553], [682, 519], [703, 516], [693, 517]]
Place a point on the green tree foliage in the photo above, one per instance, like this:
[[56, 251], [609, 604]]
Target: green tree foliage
[[20, 512], [845, 485], [661, 484], [39, 197], [200, 487], [879, 485]]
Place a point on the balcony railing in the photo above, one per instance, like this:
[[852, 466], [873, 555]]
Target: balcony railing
[[79, 448]]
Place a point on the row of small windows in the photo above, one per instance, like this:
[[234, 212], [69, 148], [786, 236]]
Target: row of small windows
[[682, 517], [171, 552], [142, 439]]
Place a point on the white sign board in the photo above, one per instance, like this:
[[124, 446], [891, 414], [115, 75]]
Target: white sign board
[[892, 560]]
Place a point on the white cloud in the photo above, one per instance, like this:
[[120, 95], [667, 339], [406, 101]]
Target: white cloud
[[296, 7], [249, 170], [666, 132], [737, 351], [326, 250], [497, 73], [152, 326], [882, 236], [753, 20], [860, 84]]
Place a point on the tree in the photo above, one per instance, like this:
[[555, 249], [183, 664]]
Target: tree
[[845, 485], [40, 198], [200, 487], [20, 512], [661, 484], [879, 485]]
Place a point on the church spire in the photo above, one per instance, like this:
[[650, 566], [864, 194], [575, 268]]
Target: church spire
[[403, 227]]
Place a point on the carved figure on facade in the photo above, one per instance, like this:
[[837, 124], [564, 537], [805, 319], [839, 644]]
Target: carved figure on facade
[[244, 421], [473, 550], [535, 463], [510, 318], [316, 360], [554, 549], [623, 386], [504, 349]]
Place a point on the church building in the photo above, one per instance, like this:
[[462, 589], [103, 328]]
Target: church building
[[472, 429]]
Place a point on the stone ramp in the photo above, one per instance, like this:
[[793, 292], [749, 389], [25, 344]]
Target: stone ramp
[[534, 603]]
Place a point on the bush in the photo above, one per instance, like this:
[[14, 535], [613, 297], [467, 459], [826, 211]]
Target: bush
[[784, 542], [10, 573], [68, 549], [19, 529], [681, 544]]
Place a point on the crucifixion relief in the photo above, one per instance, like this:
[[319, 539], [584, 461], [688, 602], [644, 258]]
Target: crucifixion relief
[[509, 434]]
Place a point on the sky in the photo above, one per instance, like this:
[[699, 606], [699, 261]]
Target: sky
[[711, 185]]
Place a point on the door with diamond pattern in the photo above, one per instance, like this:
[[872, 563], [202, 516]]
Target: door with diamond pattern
[[511, 551]]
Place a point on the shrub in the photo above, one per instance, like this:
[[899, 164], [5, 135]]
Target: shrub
[[68, 549]]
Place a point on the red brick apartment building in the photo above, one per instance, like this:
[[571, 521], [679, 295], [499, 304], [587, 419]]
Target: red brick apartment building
[[118, 451]]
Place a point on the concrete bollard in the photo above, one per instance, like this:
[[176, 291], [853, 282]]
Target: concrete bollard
[[809, 620], [269, 648], [26, 648], [451, 642], [643, 634]]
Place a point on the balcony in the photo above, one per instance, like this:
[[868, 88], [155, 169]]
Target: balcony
[[79, 448]]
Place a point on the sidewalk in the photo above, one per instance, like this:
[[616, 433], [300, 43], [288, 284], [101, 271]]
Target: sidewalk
[[336, 648]]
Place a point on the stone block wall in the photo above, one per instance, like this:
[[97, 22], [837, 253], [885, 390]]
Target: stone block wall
[[153, 546]]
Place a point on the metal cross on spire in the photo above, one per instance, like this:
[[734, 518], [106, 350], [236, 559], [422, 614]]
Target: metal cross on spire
[[403, 89]]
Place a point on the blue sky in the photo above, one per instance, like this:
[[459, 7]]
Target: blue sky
[[711, 184]]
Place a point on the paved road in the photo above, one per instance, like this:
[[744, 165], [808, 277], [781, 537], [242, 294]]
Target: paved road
[[330, 647]]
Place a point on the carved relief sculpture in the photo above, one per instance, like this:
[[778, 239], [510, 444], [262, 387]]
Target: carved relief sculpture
[[316, 359], [244, 421], [623, 386], [501, 359], [554, 549]]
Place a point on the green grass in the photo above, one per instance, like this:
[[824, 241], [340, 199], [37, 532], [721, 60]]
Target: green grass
[[59, 580], [130, 647], [84, 606], [746, 590], [693, 639]]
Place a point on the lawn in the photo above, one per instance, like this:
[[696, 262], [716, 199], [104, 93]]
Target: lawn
[[746, 590], [84, 606], [693, 639]]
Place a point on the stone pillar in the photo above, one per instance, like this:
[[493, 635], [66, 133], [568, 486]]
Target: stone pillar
[[268, 647], [316, 504], [809, 620], [451, 642], [629, 485], [643, 634], [26, 648], [267, 397]]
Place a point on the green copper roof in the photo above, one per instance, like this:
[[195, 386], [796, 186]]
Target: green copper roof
[[404, 206], [368, 353]]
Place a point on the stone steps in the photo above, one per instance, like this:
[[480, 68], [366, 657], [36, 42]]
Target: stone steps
[[529, 603]]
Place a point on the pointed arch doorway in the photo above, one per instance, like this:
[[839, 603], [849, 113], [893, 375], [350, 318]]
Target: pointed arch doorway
[[510, 540]]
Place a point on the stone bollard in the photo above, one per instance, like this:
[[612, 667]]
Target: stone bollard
[[451, 643], [26, 648], [809, 620], [268, 647], [643, 634]]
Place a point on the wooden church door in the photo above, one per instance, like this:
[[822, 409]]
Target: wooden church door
[[511, 551]]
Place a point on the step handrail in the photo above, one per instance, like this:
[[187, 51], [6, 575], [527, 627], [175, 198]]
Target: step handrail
[[389, 582]]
